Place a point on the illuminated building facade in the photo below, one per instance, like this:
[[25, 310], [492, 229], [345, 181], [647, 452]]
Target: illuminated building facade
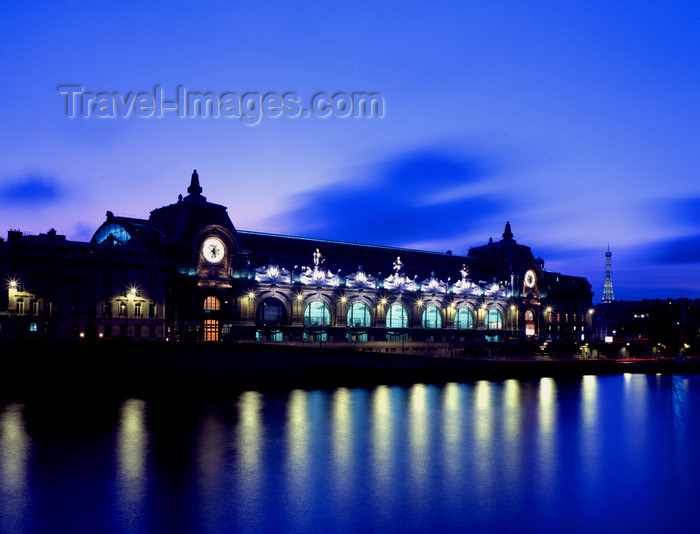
[[187, 273]]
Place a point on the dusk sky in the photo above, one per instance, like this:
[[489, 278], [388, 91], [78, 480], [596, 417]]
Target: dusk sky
[[577, 122]]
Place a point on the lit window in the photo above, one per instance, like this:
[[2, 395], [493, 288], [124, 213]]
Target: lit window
[[211, 330], [464, 318], [494, 319], [397, 316], [317, 313], [32, 327], [432, 318], [211, 304], [359, 316]]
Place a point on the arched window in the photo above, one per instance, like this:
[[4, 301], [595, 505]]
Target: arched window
[[464, 318], [211, 304], [494, 319], [397, 316], [432, 318], [317, 313], [359, 316], [112, 233], [271, 312]]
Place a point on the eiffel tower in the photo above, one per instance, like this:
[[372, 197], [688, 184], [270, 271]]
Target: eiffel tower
[[608, 295]]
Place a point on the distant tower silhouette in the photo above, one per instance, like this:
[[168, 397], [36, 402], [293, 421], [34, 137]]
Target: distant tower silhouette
[[608, 295]]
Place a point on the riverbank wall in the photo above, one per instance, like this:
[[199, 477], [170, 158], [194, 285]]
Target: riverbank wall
[[48, 367]]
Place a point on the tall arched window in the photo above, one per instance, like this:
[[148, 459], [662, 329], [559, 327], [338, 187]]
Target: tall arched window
[[397, 316], [432, 318], [359, 316], [112, 233], [317, 313], [211, 304], [271, 312], [464, 318], [494, 319]]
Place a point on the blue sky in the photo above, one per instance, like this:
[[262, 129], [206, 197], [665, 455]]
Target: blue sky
[[577, 122]]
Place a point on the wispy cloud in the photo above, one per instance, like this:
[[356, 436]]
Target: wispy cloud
[[679, 250], [34, 189], [418, 196]]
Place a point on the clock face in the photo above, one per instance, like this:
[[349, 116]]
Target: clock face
[[213, 249], [530, 278]]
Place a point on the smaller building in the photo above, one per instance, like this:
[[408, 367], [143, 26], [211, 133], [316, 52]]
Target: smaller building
[[650, 326], [64, 289]]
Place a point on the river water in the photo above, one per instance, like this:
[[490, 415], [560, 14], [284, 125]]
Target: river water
[[597, 454]]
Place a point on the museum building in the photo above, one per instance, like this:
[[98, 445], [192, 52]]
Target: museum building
[[186, 273]]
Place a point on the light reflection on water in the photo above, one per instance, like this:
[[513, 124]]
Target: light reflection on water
[[14, 454], [131, 452], [578, 455]]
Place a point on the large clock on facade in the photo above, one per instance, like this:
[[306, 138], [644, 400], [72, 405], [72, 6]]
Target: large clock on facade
[[530, 278], [213, 249]]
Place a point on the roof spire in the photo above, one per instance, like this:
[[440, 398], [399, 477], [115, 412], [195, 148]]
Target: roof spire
[[194, 188], [507, 234]]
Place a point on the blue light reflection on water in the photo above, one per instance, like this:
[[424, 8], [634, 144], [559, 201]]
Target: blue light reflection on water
[[598, 454]]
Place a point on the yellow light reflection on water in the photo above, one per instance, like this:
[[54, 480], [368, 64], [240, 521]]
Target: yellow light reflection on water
[[298, 428], [547, 419], [483, 420], [382, 441], [484, 412], [590, 429], [248, 439], [451, 422], [342, 443], [512, 426], [512, 403], [547, 400], [132, 447], [15, 446], [419, 446], [342, 428], [451, 435], [589, 397], [418, 425], [249, 432], [132, 441]]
